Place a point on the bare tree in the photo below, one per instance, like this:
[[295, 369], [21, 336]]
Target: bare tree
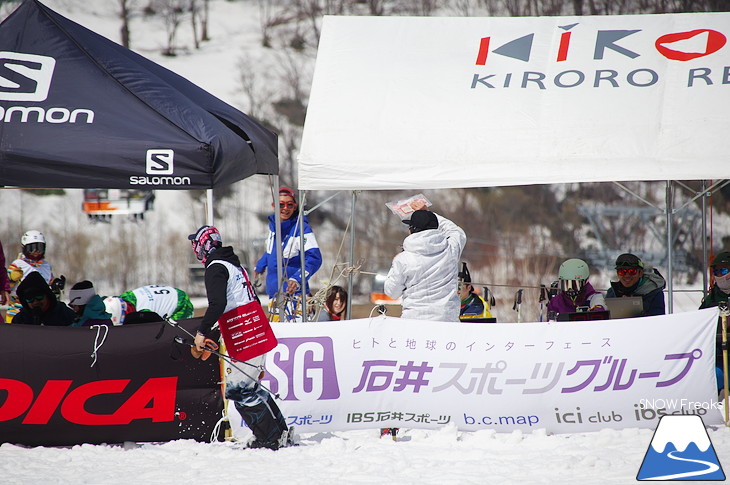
[[172, 13]]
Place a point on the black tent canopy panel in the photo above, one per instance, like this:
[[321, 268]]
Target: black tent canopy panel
[[78, 110]]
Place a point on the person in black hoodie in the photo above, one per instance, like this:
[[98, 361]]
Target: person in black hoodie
[[39, 304], [227, 287]]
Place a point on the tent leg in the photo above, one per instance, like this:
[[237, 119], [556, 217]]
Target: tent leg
[[352, 253], [669, 214], [279, 254], [209, 207], [302, 256], [705, 256]]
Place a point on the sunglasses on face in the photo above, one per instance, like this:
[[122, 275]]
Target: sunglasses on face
[[286, 205], [34, 298], [720, 271], [627, 271]]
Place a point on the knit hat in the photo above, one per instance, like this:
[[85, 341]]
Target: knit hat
[[628, 260], [81, 293], [721, 258], [422, 220], [287, 191]]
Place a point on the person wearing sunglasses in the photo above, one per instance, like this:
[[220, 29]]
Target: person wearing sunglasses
[[40, 305], [290, 242], [574, 290], [635, 280], [719, 293], [32, 258]]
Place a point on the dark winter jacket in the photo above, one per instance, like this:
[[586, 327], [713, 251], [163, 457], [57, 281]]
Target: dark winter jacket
[[57, 314], [713, 299], [94, 314], [474, 307], [216, 282], [650, 288], [290, 244]]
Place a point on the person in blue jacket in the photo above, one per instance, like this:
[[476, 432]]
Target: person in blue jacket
[[290, 240]]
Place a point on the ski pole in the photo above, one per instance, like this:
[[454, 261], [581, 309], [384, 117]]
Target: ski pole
[[181, 340], [723, 306], [518, 304]]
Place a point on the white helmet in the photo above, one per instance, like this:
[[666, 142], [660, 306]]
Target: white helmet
[[31, 237], [33, 241], [117, 307]]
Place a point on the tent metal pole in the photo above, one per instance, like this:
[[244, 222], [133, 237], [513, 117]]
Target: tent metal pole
[[353, 201], [279, 256], [302, 258], [209, 207], [669, 209], [704, 237]]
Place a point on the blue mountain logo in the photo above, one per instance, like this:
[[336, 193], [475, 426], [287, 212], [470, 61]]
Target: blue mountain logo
[[681, 450]]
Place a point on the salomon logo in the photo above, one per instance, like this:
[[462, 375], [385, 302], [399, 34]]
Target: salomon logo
[[159, 161], [25, 77]]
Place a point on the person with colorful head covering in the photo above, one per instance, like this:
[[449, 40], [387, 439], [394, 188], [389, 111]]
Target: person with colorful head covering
[[292, 274], [635, 280], [574, 289], [227, 288], [32, 258]]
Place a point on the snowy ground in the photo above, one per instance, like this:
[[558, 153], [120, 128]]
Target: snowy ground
[[445, 456], [440, 457]]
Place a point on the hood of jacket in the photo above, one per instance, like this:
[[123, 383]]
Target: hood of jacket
[[426, 242], [34, 284], [223, 253]]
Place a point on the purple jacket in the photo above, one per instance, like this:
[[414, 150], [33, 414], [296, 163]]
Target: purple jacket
[[561, 303], [4, 281]]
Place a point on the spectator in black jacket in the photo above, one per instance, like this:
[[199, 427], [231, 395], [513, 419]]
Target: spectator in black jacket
[[39, 304]]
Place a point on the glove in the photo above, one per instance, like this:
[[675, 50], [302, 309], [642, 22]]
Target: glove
[[58, 284]]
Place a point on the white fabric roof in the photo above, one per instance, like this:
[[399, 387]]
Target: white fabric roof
[[435, 102]]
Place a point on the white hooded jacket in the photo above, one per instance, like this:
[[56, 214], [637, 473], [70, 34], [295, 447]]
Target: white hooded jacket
[[425, 274]]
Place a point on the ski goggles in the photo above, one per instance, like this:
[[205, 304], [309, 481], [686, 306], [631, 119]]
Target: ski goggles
[[627, 271], [34, 298], [573, 286], [720, 271], [36, 247]]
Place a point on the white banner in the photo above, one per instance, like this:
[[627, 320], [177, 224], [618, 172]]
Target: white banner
[[440, 102], [563, 377]]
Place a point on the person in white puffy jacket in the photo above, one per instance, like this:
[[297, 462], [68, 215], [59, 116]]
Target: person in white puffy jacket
[[425, 274]]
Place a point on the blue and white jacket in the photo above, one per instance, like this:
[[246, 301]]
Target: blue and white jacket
[[290, 254]]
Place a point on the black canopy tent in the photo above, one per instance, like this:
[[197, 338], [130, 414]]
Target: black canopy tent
[[78, 110]]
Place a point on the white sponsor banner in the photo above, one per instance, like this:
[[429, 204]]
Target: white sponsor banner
[[562, 377], [439, 102]]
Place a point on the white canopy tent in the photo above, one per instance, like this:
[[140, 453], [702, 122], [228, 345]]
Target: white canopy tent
[[433, 102]]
